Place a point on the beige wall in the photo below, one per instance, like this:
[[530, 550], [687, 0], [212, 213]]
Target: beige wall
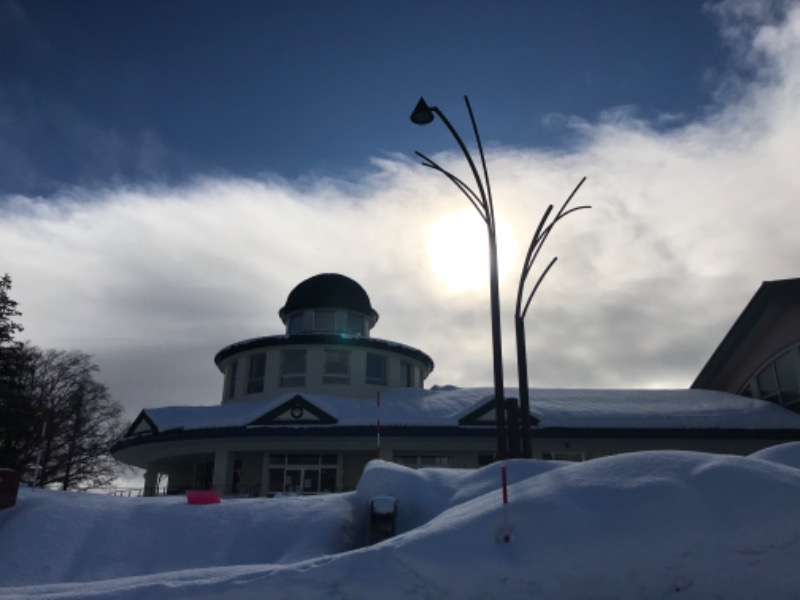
[[315, 363]]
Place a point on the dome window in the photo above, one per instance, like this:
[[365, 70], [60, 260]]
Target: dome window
[[296, 323], [324, 320], [355, 324]]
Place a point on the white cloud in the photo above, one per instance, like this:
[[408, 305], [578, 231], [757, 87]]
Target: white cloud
[[685, 225]]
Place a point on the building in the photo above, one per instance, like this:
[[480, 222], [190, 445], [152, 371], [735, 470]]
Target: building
[[305, 411], [760, 355]]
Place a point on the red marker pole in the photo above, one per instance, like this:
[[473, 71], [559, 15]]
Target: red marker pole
[[378, 410], [505, 484], [506, 535]]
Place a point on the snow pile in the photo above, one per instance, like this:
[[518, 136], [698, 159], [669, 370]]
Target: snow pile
[[640, 525]]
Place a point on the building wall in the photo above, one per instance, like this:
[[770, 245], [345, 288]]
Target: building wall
[[357, 387], [252, 459], [780, 329]]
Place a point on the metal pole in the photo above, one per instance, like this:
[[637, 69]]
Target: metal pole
[[497, 351], [483, 203], [524, 398]]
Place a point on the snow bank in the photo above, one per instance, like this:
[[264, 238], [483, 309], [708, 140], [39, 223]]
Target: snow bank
[[640, 525]]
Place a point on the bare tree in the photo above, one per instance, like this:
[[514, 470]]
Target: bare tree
[[56, 422], [78, 418]]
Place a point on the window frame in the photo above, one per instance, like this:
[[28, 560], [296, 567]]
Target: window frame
[[293, 378], [368, 378], [319, 312], [334, 375], [233, 372], [255, 381]]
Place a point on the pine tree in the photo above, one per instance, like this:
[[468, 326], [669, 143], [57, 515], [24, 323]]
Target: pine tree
[[17, 417]]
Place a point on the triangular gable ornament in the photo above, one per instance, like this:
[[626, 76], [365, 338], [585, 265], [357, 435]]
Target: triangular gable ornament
[[295, 411]]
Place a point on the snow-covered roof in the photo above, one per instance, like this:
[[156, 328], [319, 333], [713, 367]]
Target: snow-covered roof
[[447, 406]]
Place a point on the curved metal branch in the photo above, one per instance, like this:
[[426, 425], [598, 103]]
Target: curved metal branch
[[536, 287], [489, 202], [464, 151], [546, 232], [529, 258], [465, 189], [537, 243]]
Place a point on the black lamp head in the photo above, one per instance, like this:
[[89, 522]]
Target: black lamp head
[[423, 114]]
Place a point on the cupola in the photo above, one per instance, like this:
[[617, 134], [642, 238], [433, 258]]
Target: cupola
[[328, 302]]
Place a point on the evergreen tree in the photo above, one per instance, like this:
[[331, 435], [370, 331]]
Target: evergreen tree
[[17, 417], [9, 347]]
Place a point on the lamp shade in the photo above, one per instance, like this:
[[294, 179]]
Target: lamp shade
[[423, 114]]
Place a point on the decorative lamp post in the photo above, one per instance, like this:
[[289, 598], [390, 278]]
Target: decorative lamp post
[[482, 201], [538, 240]]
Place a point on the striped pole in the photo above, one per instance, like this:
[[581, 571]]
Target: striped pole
[[378, 412], [506, 534]]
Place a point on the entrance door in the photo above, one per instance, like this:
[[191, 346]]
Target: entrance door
[[302, 473], [303, 480], [293, 481]]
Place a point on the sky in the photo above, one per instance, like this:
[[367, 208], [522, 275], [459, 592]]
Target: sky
[[637, 525], [170, 171]]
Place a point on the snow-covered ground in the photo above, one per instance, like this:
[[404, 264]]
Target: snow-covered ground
[[643, 525]]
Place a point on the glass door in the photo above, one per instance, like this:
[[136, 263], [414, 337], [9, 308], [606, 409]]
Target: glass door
[[292, 483]]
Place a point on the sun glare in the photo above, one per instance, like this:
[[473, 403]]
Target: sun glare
[[458, 251]]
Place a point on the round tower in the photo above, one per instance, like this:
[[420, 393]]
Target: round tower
[[327, 348]]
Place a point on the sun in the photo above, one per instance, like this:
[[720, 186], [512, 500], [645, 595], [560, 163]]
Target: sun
[[458, 251]]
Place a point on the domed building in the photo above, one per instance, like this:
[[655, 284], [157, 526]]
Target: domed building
[[304, 411], [327, 349]]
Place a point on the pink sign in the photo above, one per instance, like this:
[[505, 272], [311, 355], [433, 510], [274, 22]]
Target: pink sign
[[202, 496]]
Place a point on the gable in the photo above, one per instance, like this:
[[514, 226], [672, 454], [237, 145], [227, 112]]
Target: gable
[[141, 425], [295, 411]]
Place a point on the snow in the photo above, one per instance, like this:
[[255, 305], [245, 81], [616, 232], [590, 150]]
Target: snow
[[384, 505], [640, 525], [657, 409]]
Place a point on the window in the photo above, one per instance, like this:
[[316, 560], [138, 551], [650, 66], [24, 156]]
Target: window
[[204, 475], [406, 374], [778, 381], [296, 323], [418, 461], [337, 367], [302, 473], [566, 456], [355, 324], [376, 369], [768, 384], [324, 320], [255, 379], [787, 378], [293, 368], [232, 373]]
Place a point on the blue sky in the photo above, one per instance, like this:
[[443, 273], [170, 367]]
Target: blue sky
[[169, 171], [98, 90]]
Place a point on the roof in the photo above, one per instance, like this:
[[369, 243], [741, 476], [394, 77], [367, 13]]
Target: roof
[[322, 339], [451, 406], [770, 293], [329, 290]]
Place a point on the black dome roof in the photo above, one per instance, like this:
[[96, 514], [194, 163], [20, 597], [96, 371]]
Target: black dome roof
[[329, 290]]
